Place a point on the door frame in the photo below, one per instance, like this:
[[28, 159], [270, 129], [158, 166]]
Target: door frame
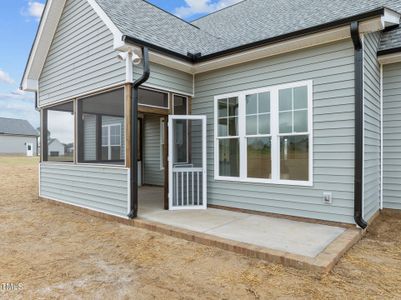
[[203, 119]]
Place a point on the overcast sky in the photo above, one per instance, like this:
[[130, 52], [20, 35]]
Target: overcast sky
[[19, 20]]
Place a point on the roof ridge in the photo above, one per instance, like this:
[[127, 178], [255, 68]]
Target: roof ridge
[[13, 118], [219, 10], [171, 14]]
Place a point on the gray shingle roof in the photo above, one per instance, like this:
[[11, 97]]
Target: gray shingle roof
[[246, 22], [254, 20], [144, 21], [390, 39], [17, 127]]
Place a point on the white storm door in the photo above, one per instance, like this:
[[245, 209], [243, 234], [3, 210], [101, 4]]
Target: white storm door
[[187, 162]]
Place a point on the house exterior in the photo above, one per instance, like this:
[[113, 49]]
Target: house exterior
[[56, 148], [278, 108], [17, 137]]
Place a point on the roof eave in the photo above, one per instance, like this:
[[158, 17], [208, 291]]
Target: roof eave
[[311, 30], [326, 26]]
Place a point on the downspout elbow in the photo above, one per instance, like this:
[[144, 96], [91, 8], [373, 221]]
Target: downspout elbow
[[359, 117]]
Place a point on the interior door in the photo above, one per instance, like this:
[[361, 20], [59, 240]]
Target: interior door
[[187, 162]]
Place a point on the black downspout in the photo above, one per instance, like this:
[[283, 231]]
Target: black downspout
[[358, 125], [134, 134]]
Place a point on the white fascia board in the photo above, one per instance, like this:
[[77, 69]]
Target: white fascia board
[[390, 58], [390, 18], [42, 43], [117, 34], [291, 45], [275, 49]]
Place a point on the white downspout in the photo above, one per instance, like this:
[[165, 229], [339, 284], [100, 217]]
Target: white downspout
[[381, 136], [129, 74]]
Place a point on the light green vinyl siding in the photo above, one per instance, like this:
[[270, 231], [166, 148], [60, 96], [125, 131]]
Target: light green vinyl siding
[[392, 136], [153, 175], [331, 67], [99, 188], [167, 79], [371, 125], [81, 60]]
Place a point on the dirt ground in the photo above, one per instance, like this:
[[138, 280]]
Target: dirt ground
[[57, 252]]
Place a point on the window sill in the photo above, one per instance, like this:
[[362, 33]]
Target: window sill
[[264, 181]]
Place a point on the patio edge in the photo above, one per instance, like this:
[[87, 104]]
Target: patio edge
[[322, 263]]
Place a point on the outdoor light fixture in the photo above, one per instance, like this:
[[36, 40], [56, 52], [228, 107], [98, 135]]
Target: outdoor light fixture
[[121, 56], [136, 59]]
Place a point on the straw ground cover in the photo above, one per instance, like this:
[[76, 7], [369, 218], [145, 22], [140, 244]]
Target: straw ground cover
[[49, 251]]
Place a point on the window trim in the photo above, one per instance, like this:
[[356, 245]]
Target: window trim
[[109, 145], [274, 134]]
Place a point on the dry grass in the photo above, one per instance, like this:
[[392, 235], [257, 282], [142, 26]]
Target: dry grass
[[57, 252]]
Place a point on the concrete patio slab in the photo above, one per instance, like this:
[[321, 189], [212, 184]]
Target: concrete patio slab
[[294, 237], [253, 247], [290, 236]]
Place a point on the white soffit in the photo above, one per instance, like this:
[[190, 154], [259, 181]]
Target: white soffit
[[390, 18], [390, 58]]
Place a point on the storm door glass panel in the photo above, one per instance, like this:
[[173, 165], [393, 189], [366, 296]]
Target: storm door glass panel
[[181, 130]]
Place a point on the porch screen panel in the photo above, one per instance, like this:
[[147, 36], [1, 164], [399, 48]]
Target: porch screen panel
[[101, 130]]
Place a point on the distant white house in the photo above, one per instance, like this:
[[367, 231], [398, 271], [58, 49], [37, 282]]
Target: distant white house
[[56, 148], [17, 137]]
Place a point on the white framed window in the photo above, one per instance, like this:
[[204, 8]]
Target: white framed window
[[265, 135], [111, 142]]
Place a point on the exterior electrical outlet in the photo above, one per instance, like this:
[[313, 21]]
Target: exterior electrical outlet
[[327, 198]]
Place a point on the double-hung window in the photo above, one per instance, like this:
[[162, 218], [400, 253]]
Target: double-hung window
[[111, 142], [265, 135]]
